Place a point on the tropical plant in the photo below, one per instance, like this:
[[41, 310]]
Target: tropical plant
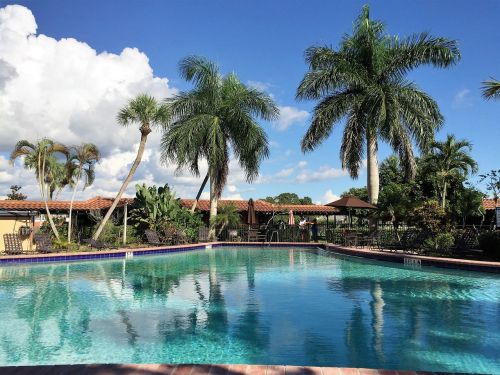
[[81, 165], [430, 217], [153, 207], [228, 215], [216, 116], [15, 193], [491, 89], [365, 82], [450, 160], [147, 112], [467, 203], [157, 208], [41, 158]]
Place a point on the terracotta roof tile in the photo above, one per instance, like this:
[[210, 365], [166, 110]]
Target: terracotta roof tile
[[489, 204]]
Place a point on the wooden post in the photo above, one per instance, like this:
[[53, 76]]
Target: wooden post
[[125, 211]]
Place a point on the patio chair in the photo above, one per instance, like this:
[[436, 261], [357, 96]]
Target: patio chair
[[43, 243], [175, 236], [203, 234], [153, 238], [254, 235], [13, 244]]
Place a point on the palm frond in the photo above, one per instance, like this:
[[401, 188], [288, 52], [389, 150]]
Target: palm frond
[[491, 89]]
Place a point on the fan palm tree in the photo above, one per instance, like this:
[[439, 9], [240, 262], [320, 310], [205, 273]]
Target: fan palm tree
[[41, 158], [364, 81], [81, 165], [217, 116], [147, 112], [448, 160], [491, 89]]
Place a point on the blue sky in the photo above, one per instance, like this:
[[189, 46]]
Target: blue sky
[[263, 42]]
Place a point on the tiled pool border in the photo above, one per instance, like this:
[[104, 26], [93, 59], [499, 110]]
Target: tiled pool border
[[464, 264]]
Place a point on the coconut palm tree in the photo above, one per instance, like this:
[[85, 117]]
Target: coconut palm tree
[[41, 158], [364, 81], [81, 165], [216, 116], [448, 160], [147, 112], [491, 89]]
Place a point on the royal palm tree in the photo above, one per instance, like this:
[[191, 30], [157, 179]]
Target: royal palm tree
[[41, 158], [450, 160], [491, 89], [147, 112], [81, 165], [217, 116], [364, 81]]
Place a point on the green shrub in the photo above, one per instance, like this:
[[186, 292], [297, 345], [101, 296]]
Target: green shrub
[[489, 242], [110, 233], [441, 242]]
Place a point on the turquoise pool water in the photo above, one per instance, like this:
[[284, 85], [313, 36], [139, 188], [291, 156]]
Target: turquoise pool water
[[250, 305]]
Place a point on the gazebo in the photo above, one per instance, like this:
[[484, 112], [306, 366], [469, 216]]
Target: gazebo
[[349, 203]]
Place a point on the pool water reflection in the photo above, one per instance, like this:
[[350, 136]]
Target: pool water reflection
[[250, 305]]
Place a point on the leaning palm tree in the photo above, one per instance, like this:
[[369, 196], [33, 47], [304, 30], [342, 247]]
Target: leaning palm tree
[[81, 165], [448, 161], [217, 116], [41, 158], [364, 81], [147, 112], [491, 89]]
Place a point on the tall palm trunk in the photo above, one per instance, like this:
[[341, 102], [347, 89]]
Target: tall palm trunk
[[213, 210], [372, 169], [44, 191], [71, 207], [443, 195], [145, 130], [202, 187]]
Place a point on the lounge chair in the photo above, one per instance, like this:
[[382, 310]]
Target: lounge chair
[[153, 238], [13, 244], [99, 245], [43, 243]]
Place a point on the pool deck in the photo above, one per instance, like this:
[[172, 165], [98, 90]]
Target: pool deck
[[157, 369]]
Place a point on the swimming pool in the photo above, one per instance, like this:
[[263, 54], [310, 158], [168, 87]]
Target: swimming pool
[[250, 305]]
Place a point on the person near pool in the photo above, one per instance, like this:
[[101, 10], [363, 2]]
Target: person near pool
[[303, 228], [314, 229]]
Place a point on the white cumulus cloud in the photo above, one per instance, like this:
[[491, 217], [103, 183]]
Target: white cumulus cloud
[[323, 173], [290, 116]]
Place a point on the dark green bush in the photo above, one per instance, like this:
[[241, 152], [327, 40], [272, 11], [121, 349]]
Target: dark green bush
[[441, 242], [489, 242]]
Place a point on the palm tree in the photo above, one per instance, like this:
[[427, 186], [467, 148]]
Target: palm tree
[[41, 158], [448, 160], [81, 165], [216, 116], [228, 215], [147, 112], [491, 89], [364, 81]]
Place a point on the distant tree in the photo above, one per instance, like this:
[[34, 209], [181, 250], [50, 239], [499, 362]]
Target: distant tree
[[289, 198], [492, 179], [491, 89], [365, 82], [450, 161], [361, 193], [147, 112], [15, 195]]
